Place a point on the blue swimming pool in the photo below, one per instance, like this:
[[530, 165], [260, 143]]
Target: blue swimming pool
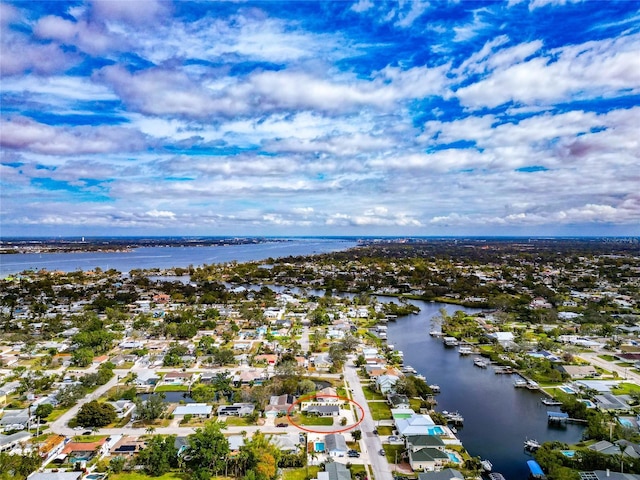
[[568, 390], [625, 422], [437, 430], [319, 447], [453, 458], [568, 453]]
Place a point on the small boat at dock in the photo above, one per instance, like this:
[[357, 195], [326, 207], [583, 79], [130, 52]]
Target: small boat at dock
[[501, 370], [478, 362], [496, 476], [450, 341], [435, 388], [520, 383], [486, 465], [435, 333], [465, 350], [531, 445], [551, 402]]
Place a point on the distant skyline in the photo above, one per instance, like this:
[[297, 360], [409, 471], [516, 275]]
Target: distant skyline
[[356, 118]]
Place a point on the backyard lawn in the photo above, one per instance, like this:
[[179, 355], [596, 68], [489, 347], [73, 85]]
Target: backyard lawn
[[300, 473], [308, 420], [370, 394], [379, 410]]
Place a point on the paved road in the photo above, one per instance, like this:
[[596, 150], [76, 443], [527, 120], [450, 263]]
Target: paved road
[[378, 463], [623, 372]]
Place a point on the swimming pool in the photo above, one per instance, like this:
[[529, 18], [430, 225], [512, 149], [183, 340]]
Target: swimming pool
[[437, 430], [568, 390], [319, 447], [453, 457], [625, 422], [568, 453]]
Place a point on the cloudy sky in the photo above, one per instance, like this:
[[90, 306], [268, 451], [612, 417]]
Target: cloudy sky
[[344, 117]]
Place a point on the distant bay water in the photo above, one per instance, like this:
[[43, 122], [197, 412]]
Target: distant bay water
[[167, 257]]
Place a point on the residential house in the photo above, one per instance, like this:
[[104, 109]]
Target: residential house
[[249, 377], [323, 410], [199, 410], [289, 443], [15, 440], [428, 459], [414, 425], [386, 383], [418, 442], [177, 378], [236, 410], [145, 378], [336, 471], [335, 445], [123, 407], [396, 400], [321, 361], [444, 474], [16, 419], [279, 405], [578, 371], [55, 475]]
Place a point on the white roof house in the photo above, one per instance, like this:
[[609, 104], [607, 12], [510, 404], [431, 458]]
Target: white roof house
[[195, 409], [414, 425]]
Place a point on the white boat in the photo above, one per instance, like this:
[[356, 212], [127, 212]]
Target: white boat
[[520, 383], [435, 333], [531, 445], [486, 465], [478, 362], [465, 350], [551, 402], [450, 342], [420, 377], [435, 388]]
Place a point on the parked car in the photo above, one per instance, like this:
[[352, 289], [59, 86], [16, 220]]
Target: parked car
[[375, 431], [353, 454], [393, 438], [282, 425], [381, 452]]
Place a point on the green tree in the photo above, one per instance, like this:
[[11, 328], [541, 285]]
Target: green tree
[[159, 455], [44, 410], [152, 408], [207, 451], [96, 414], [82, 357]]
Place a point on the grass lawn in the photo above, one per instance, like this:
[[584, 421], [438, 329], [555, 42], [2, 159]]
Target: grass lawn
[[380, 411], [300, 473], [370, 394], [625, 389], [56, 414], [239, 421], [385, 430], [171, 388], [310, 420], [414, 404], [608, 358], [358, 470], [392, 450], [88, 438]]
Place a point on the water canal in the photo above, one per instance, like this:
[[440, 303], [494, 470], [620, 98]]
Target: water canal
[[498, 418]]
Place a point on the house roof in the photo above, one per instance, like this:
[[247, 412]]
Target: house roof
[[425, 441], [337, 471], [335, 442], [55, 476], [193, 409], [323, 408], [427, 455], [446, 474], [414, 425]]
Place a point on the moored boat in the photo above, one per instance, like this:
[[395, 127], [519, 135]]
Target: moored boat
[[520, 383], [435, 388], [478, 362], [486, 465], [551, 402], [531, 445], [465, 350]]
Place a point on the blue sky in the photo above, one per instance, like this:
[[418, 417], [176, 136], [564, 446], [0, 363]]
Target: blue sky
[[320, 118]]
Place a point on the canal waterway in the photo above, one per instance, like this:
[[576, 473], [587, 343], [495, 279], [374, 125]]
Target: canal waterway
[[167, 257], [498, 418]]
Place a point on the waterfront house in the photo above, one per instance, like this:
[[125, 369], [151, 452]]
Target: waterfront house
[[578, 371], [386, 383], [444, 474], [396, 400], [236, 410], [177, 378], [335, 445], [199, 410], [415, 425], [428, 459], [418, 442]]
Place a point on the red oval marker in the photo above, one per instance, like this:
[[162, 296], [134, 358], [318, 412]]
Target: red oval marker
[[309, 397]]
